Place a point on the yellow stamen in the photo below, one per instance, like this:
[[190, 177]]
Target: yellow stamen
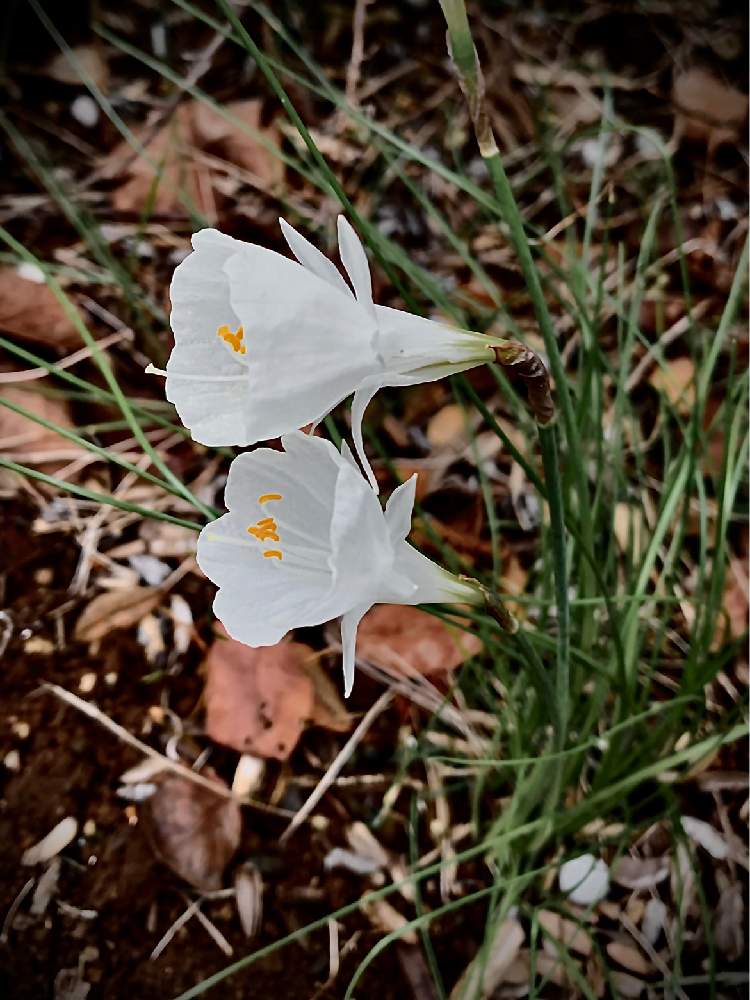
[[233, 339], [265, 530], [272, 554], [269, 496]]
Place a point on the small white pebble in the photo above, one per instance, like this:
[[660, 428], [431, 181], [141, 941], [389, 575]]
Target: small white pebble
[[87, 683], [138, 792], [31, 272], [110, 678], [319, 823], [85, 110], [89, 828], [584, 880], [21, 729], [12, 760], [248, 775]]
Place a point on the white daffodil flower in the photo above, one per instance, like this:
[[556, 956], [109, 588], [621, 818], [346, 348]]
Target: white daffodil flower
[[265, 345], [306, 540]]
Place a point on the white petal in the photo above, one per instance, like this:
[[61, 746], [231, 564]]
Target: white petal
[[310, 257], [398, 510], [354, 259], [585, 880], [362, 552], [308, 345], [349, 625], [213, 411], [362, 397]]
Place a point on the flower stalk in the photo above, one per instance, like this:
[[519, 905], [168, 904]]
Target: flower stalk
[[468, 70]]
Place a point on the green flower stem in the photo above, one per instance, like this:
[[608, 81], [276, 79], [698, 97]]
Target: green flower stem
[[466, 62]]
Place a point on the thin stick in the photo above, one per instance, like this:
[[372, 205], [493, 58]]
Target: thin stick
[[343, 756], [88, 708]]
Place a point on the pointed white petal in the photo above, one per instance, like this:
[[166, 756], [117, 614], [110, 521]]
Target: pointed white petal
[[310, 257], [354, 259], [399, 509], [362, 397], [349, 625], [308, 345]]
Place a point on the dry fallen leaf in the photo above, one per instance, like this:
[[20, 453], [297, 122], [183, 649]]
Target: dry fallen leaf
[[83, 59], [257, 700], [115, 609], [192, 830], [193, 127], [21, 439], [640, 873], [30, 311], [328, 709], [405, 640], [488, 969], [708, 109], [677, 382]]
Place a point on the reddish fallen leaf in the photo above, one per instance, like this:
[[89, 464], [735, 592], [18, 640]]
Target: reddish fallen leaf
[[195, 127], [404, 640], [30, 311], [193, 830], [257, 700]]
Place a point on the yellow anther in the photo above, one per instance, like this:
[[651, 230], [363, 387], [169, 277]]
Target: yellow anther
[[264, 530], [269, 496], [272, 554], [233, 339]]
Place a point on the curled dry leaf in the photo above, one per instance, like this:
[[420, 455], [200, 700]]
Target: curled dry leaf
[[192, 830], [115, 609], [30, 311], [257, 700], [405, 640]]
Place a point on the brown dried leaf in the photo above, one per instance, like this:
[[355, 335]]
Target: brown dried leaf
[[405, 640], [628, 956], [21, 438], [30, 311], [88, 60], [194, 126], [192, 830], [328, 709], [677, 382], [488, 969], [565, 931], [115, 609], [257, 700], [710, 109], [640, 873], [447, 428]]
